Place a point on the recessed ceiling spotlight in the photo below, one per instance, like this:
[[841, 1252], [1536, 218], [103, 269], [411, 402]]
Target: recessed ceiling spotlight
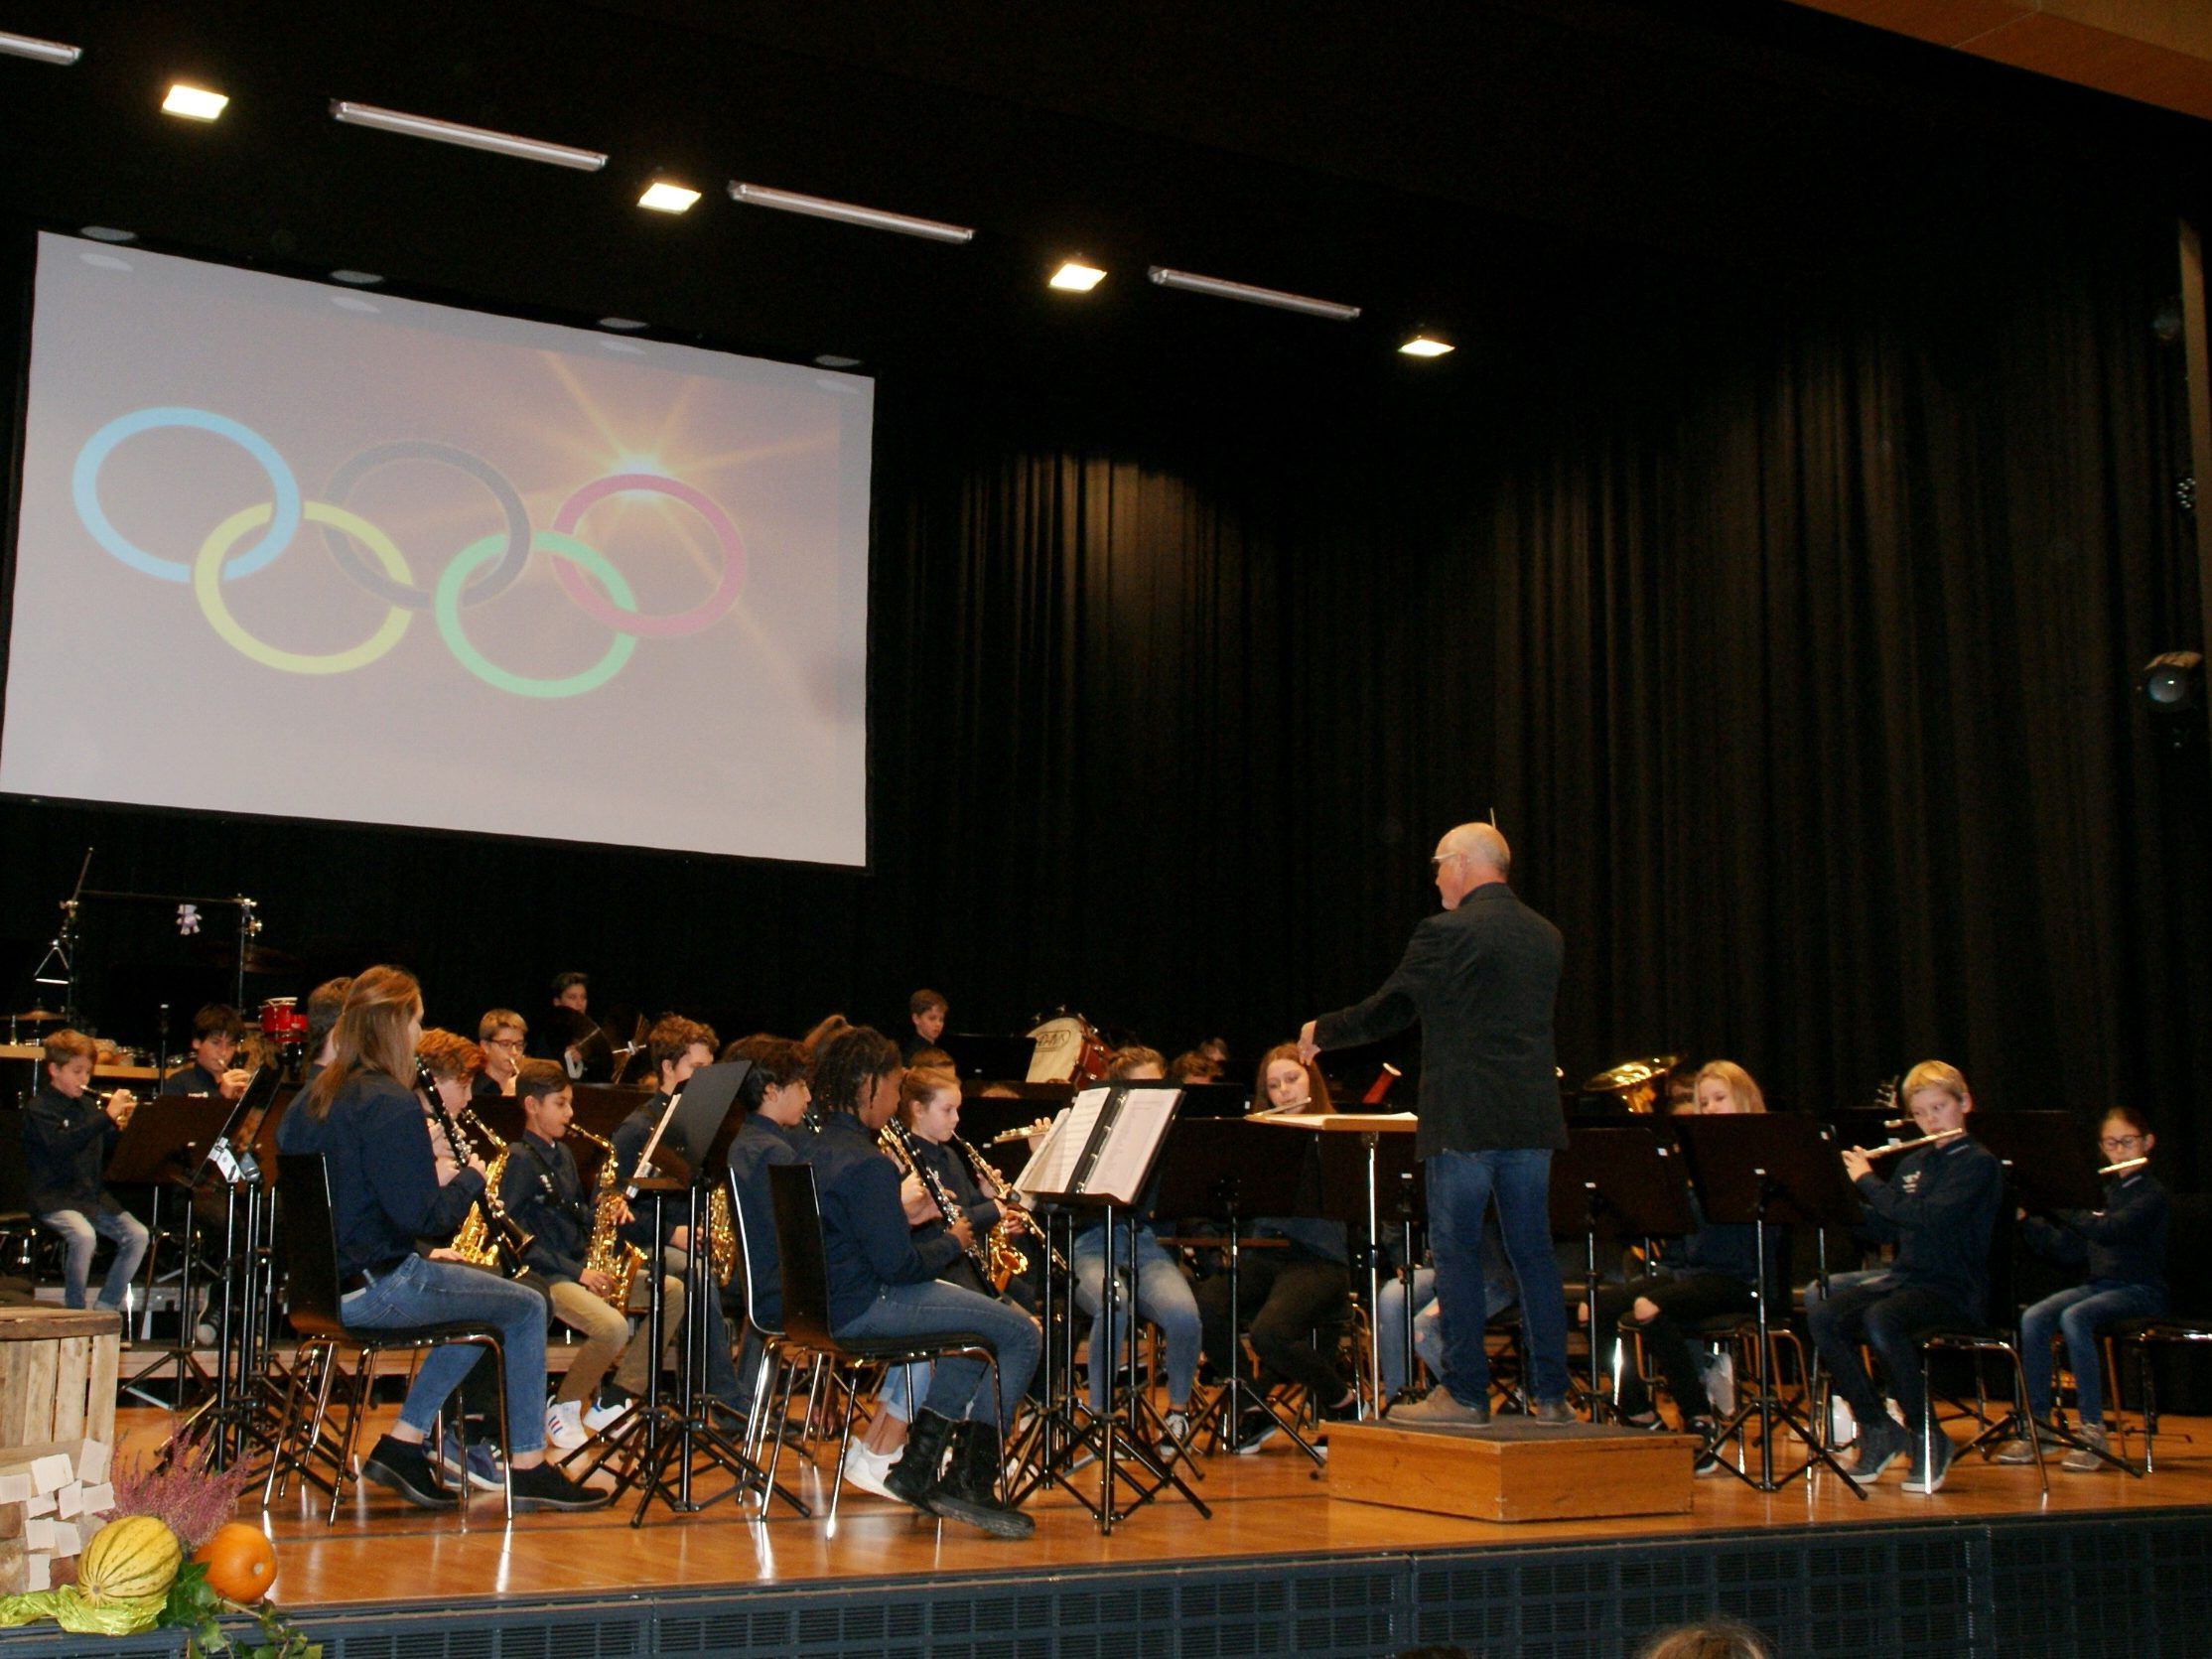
[[830, 360], [1078, 277], [623, 325], [1426, 345], [194, 104], [1223, 289], [356, 279], [665, 197], [108, 233], [46, 51]]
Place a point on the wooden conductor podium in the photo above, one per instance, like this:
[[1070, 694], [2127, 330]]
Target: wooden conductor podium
[[1512, 1469]]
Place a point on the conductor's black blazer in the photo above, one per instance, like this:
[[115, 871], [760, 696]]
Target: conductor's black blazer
[[1482, 980]]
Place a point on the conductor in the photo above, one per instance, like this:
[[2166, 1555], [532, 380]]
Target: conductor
[[1481, 978]]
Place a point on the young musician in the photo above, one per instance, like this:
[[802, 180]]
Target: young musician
[[675, 1047], [567, 1024], [1938, 1205], [544, 1192], [1287, 1293], [880, 1284], [1711, 1272], [1163, 1294], [362, 1115], [2123, 1246], [216, 1031], [926, 1010], [502, 1034], [776, 1095], [67, 1133]]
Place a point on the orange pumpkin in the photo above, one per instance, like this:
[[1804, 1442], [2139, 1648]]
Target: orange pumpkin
[[240, 1561]]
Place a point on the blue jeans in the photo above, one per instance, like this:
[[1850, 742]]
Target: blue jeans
[[1889, 1320], [1460, 1187], [1163, 1296], [2077, 1313], [82, 1233], [958, 1387], [422, 1291]]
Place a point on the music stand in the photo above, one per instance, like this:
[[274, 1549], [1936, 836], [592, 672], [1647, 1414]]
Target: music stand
[[162, 1147], [1770, 1168], [2049, 1157], [978, 1057], [1219, 1172], [1619, 1181], [1101, 1155]]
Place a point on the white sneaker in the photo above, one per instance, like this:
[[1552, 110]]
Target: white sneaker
[[1720, 1385], [1843, 1428], [867, 1469], [598, 1418], [564, 1426]]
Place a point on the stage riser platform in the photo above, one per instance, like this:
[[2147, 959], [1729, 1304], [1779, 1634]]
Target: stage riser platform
[[2135, 1588]]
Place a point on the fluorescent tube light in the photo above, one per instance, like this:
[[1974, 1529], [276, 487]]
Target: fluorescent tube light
[[471, 138], [46, 51], [1225, 290], [846, 213]]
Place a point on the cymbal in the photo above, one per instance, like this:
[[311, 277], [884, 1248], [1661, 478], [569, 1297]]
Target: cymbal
[[1630, 1073], [260, 959], [38, 1017]]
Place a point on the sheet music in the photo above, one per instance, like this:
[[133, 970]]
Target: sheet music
[[1119, 1172], [1051, 1168]]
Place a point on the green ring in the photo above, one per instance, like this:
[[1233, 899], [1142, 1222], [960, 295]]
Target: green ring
[[446, 606]]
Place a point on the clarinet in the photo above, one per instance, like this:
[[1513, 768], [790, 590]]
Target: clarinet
[[901, 1145], [508, 1236]]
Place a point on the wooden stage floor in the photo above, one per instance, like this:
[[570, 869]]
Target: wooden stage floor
[[383, 1553]]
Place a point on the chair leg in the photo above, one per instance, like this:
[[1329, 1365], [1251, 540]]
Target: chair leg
[[506, 1443], [2020, 1405]]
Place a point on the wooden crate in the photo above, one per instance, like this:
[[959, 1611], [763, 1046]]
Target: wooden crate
[[58, 1375], [1512, 1470]]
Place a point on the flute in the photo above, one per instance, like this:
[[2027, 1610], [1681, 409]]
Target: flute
[[1908, 1145], [2124, 1165]]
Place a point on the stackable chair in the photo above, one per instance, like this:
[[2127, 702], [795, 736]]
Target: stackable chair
[[806, 1321], [2189, 1325], [306, 1442]]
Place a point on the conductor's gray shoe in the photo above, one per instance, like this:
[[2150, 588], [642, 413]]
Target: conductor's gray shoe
[[1441, 1409], [1554, 1414]]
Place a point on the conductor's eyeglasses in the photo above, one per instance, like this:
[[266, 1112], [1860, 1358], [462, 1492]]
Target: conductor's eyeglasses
[[1443, 859]]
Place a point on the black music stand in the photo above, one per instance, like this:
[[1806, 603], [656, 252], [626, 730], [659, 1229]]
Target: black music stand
[[1108, 1170], [1769, 1170], [1354, 1169], [1619, 1183], [162, 1147], [1224, 1172], [978, 1057]]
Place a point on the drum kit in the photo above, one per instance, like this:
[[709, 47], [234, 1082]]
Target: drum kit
[[1068, 1051]]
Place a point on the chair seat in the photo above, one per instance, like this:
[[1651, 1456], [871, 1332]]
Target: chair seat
[[908, 1347], [1969, 1336], [315, 1327], [2166, 1327]]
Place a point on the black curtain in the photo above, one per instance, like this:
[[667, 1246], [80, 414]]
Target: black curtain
[[1789, 629]]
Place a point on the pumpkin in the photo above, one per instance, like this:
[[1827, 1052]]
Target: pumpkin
[[240, 1561], [129, 1560]]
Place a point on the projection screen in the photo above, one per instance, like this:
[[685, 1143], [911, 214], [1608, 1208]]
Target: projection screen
[[313, 552]]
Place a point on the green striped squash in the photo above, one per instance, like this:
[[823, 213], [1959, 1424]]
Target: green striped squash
[[128, 1559]]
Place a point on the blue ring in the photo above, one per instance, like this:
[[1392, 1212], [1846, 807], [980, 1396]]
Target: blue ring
[[84, 483]]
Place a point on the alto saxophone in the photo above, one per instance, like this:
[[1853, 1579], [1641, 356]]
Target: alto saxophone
[[608, 1251], [490, 1236], [1014, 1215]]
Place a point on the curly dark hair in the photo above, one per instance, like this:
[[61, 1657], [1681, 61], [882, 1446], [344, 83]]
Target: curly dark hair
[[850, 1066]]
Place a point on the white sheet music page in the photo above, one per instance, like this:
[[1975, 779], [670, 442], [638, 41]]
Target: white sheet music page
[[1053, 1166], [1119, 1174]]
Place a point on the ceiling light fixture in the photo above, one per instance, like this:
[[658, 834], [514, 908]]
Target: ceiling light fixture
[[664, 198], [194, 104], [109, 233], [832, 360], [471, 138], [624, 325], [1426, 345], [846, 213], [357, 279], [1078, 277], [46, 51], [1225, 290]]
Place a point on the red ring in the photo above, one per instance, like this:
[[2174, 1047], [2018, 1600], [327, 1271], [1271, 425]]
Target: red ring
[[593, 604]]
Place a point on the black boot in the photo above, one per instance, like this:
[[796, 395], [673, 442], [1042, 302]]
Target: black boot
[[969, 1490], [913, 1477]]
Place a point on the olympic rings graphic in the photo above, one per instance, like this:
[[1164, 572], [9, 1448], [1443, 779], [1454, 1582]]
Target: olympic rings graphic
[[502, 576], [586, 575], [84, 486], [219, 543], [566, 548], [702, 615]]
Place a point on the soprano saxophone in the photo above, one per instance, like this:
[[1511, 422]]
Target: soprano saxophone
[[608, 1251]]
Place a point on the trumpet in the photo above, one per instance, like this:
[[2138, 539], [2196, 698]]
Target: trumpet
[[2124, 1165], [1908, 1145], [1013, 1212]]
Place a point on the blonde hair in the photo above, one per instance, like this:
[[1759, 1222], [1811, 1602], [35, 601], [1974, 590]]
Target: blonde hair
[[1122, 1061], [67, 1045], [449, 1053], [1743, 1088], [370, 1035], [920, 1083], [1933, 1075]]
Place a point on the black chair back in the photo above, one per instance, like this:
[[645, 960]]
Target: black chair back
[[2188, 1248], [804, 1261], [750, 1253], [307, 1240]]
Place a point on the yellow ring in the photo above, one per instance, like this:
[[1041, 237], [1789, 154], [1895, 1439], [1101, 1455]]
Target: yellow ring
[[207, 581]]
